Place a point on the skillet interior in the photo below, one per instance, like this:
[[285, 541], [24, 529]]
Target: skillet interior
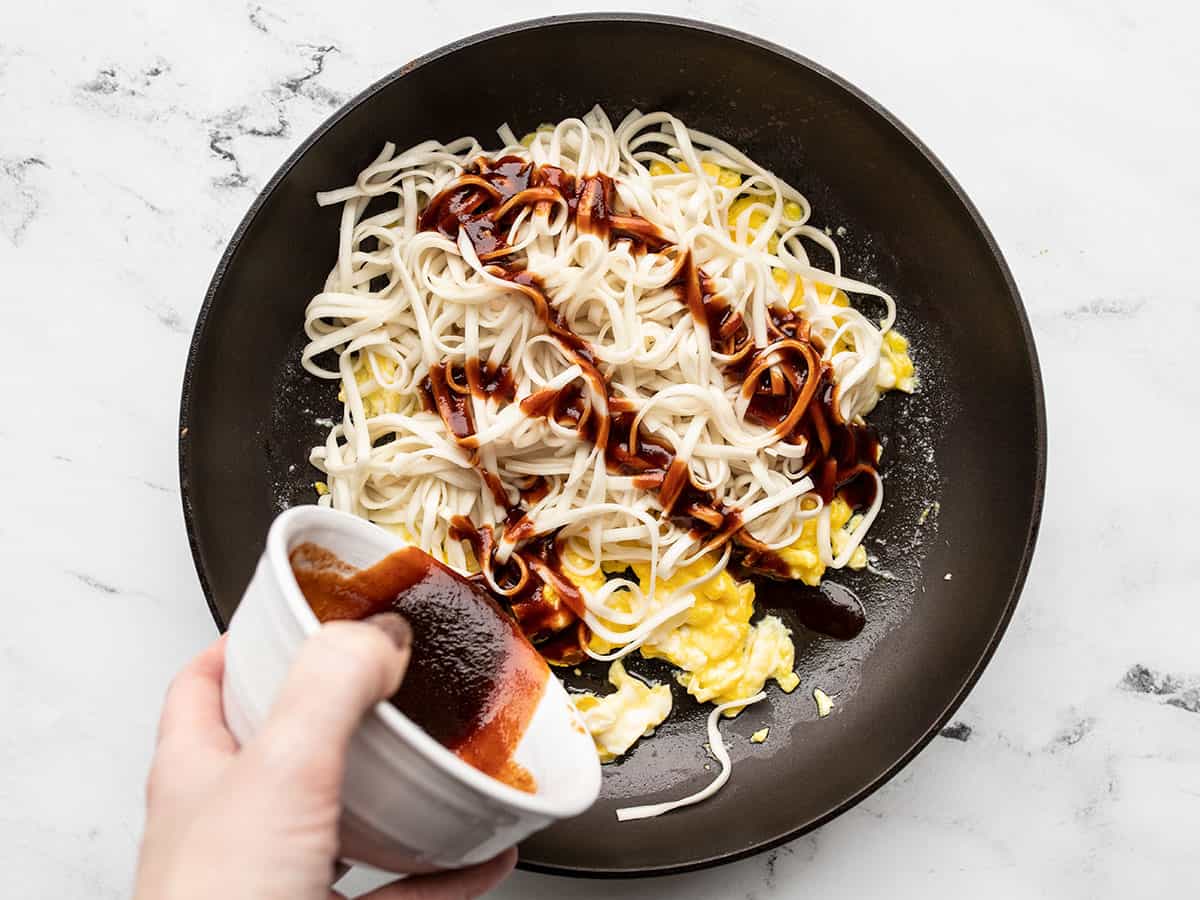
[[973, 438]]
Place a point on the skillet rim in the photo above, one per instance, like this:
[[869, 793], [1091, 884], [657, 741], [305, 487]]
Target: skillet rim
[[1038, 484]]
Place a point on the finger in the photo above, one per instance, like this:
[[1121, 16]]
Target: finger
[[341, 672], [194, 746], [192, 715], [462, 884]]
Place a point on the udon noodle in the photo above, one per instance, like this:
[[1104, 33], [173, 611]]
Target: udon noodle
[[490, 365]]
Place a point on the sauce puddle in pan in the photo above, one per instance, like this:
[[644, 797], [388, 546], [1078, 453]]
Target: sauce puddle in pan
[[474, 680], [832, 610]]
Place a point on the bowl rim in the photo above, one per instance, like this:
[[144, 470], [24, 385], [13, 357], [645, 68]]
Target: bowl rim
[[1037, 485], [397, 724]]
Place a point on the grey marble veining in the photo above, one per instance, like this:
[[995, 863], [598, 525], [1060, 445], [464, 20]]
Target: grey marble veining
[[133, 136]]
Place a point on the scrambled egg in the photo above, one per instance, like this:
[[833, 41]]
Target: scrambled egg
[[722, 657], [896, 369], [377, 400], [545, 128], [824, 702], [802, 557], [618, 719], [720, 654], [758, 218], [724, 177]]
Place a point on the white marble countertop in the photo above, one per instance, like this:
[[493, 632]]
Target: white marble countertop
[[134, 135]]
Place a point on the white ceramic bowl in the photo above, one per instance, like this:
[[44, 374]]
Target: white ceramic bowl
[[410, 805]]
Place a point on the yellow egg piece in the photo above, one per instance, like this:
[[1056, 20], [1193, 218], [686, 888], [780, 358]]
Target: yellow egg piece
[[825, 293], [721, 655], [803, 557], [757, 218], [544, 127], [729, 178], [574, 565], [824, 702], [896, 369], [756, 221], [725, 177], [617, 720], [377, 400]]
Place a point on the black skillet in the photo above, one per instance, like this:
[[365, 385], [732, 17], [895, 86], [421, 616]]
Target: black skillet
[[965, 457]]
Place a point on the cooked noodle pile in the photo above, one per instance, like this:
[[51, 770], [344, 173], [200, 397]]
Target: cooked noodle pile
[[534, 351]]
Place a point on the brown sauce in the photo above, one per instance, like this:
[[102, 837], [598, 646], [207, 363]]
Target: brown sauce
[[473, 682], [788, 389], [488, 196], [727, 331], [841, 455], [490, 380], [452, 402], [832, 609], [545, 603], [449, 387], [642, 456], [577, 349]]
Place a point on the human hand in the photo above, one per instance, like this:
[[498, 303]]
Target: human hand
[[261, 821]]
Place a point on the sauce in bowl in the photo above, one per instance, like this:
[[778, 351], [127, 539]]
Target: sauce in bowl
[[474, 680]]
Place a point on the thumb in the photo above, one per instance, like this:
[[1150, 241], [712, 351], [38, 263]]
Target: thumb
[[339, 674]]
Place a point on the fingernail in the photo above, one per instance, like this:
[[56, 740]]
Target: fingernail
[[395, 627]]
